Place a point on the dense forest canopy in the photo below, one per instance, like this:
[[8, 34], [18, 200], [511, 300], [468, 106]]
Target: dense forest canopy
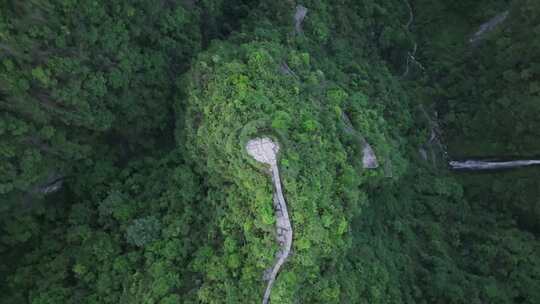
[[124, 178]]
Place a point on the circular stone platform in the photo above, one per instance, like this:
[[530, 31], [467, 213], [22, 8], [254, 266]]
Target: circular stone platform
[[263, 150]]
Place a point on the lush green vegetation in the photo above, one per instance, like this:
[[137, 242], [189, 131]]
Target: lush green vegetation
[[489, 92], [141, 110]]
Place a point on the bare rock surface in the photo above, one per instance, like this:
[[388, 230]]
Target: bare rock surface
[[488, 27], [433, 149], [299, 15], [369, 159], [52, 184], [265, 151]]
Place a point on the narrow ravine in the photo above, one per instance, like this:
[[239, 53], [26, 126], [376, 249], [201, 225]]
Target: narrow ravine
[[265, 151], [411, 55]]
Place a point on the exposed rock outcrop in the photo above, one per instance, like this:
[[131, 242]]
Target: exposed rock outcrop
[[433, 149], [52, 184], [299, 15], [487, 27], [369, 159]]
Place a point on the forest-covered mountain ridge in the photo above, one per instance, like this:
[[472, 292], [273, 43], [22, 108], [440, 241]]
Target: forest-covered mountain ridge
[[124, 174]]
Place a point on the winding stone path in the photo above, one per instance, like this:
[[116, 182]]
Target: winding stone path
[[491, 165], [265, 151]]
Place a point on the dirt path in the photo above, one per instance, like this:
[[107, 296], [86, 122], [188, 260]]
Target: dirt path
[[265, 151]]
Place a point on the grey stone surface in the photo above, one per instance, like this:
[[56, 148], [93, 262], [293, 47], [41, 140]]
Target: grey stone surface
[[433, 149], [491, 165], [265, 151], [299, 15], [423, 153], [52, 187], [488, 27], [52, 184], [369, 159]]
